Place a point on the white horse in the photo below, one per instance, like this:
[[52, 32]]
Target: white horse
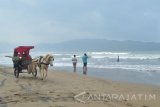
[[43, 63]]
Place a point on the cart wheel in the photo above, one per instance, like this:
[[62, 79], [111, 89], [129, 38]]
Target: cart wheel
[[16, 72], [34, 73]]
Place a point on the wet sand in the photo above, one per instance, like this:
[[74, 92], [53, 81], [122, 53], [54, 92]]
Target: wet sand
[[63, 89]]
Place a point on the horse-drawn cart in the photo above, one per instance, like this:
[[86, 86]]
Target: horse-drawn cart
[[21, 60]]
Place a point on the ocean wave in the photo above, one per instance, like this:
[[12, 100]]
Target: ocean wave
[[138, 68], [98, 57], [136, 61], [63, 64], [109, 53], [65, 59]]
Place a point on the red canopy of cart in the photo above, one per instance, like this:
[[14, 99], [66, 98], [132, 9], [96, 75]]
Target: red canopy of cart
[[22, 49]]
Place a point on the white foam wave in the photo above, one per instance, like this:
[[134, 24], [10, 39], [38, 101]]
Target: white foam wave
[[98, 57], [141, 61], [109, 53]]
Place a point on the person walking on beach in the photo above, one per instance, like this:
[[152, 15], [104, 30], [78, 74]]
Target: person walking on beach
[[74, 61], [84, 59]]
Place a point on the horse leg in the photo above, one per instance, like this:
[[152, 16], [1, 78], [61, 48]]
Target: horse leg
[[46, 73], [33, 69], [41, 72]]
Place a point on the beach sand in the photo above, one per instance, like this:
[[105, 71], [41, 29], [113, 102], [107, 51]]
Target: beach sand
[[60, 89]]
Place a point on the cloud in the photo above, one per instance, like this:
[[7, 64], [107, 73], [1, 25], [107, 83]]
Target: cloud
[[36, 21]]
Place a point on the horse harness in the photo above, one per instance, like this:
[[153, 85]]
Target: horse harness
[[40, 61]]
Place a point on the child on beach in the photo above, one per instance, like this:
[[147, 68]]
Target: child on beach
[[74, 61]]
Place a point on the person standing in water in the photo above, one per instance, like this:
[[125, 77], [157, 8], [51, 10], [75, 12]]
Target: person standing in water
[[84, 59], [118, 59], [74, 61]]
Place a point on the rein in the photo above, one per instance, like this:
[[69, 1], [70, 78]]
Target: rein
[[44, 63], [41, 62]]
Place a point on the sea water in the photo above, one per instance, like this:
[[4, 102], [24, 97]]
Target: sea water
[[142, 67]]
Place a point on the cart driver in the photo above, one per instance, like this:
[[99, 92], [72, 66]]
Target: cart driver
[[16, 60], [15, 57]]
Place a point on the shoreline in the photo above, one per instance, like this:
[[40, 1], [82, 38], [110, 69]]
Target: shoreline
[[61, 87], [114, 74]]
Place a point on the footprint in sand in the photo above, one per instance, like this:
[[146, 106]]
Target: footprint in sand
[[17, 80], [2, 103], [129, 104], [3, 82], [144, 106], [22, 87]]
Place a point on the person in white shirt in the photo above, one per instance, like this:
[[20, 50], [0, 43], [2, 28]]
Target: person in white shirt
[[74, 61]]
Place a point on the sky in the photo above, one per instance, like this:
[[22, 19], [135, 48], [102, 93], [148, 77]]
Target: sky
[[52, 21]]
